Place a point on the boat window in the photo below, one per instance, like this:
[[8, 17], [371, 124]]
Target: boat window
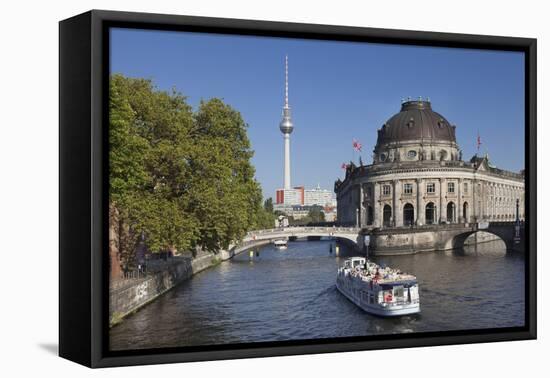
[[398, 291]]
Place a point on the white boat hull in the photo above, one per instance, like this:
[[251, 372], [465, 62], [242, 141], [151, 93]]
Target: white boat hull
[[376, 309]]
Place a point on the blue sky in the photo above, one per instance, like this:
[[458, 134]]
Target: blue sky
[[338, 91]]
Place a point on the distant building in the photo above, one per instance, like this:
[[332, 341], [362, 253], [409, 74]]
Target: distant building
[[290, 197], [418, 177], [319, 197], [305, 197]]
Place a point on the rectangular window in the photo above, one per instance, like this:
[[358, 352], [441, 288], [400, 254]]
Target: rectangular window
[[451, 187], [465, 188], [430, 187], [407, 188], [386, 190]]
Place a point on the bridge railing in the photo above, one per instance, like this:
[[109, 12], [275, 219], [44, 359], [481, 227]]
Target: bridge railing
[[301, 229], [505, 223], [276, 233]]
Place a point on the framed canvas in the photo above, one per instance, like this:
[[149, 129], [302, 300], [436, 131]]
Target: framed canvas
[[234, 188]]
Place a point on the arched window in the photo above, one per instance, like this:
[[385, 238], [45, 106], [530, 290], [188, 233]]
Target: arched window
[[430, 213], [370, 215], [386, 216], [451, 212], [408, 214]]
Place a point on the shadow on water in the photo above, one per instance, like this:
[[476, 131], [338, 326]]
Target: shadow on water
[[496, 248]]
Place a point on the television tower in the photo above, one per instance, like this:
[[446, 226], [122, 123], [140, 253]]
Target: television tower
[[286, 128]]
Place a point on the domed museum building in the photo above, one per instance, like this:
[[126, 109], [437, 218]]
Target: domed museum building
[[418, 178]]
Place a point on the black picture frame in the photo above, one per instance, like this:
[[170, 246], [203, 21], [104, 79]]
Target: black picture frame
[[83, 207]]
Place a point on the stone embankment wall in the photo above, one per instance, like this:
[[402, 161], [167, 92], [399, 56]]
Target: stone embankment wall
[[127, 296]]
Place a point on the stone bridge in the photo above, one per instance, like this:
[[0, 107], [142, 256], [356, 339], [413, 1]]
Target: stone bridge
[[259, 238], [506, 231], [392, 241], [409, 240]]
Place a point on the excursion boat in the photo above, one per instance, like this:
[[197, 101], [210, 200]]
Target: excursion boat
[[280, 244], [376, 290]]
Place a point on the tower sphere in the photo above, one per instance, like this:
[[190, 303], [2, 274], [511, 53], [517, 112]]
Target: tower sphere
[[286, 125]]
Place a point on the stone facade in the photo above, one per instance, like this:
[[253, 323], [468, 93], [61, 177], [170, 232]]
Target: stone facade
[[418, 178]]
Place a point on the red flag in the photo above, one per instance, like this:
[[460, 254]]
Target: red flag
[[357, 145]]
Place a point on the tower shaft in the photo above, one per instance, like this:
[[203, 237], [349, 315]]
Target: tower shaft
[[287, 184]]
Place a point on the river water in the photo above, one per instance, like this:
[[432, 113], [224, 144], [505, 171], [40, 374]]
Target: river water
[[291, 295]]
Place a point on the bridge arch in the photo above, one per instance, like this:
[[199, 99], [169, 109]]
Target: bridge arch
[[256, 239], [456, 241]]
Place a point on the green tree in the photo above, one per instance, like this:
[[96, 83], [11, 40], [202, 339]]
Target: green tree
[[127, 155], [148, 164], [316, 214], [268, 205], [226, 198], [180, 178]]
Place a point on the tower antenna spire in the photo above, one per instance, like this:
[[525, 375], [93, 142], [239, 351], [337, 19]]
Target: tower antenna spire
[[286, 81]]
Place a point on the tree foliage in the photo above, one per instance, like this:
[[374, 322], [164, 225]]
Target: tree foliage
[[316, 214], [180, 178]]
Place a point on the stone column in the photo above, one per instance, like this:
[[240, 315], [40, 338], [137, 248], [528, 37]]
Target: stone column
[[481, 200], [362, 221], [397, 214], [459, 214], [393, 202], [442, 202], [377, 211], [420, 211], [495, 202], [474, 212], [490, 201]]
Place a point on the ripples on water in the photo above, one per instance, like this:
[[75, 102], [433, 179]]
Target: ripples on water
[[291, 295]]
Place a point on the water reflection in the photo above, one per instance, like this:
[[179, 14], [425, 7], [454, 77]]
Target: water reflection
[[291, 294], [495, 248]]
